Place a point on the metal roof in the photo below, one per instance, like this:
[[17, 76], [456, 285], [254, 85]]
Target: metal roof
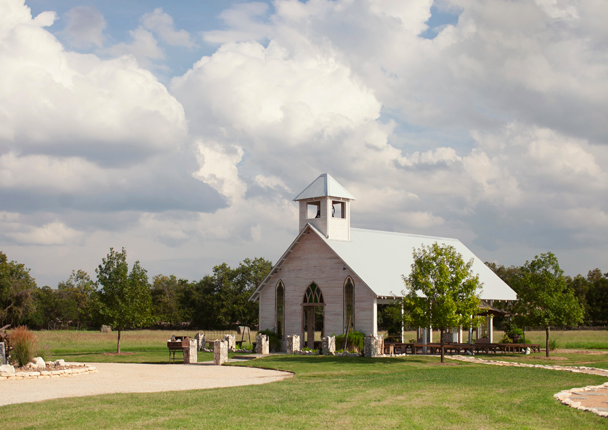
[[380, 258], [324, 186]]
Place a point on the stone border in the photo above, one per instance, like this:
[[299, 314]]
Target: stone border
[[564, 395], [72, 371]]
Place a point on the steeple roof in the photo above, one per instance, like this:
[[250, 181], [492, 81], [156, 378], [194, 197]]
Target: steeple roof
[[324, 186]]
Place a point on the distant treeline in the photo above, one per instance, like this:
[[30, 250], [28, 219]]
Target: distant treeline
[[219, 300], [591, 291]]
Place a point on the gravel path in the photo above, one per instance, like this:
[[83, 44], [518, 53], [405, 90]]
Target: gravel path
[[135, 378]]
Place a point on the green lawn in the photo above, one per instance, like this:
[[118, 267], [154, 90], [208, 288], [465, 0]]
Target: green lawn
[[137, 346], [338, 392]]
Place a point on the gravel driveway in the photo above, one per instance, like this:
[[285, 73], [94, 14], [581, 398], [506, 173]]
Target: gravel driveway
[[135, 378]]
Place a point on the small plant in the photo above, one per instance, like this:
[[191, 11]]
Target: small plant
[[24, 344], [306, 349], [355, 340], [506, 339], [553, 345]]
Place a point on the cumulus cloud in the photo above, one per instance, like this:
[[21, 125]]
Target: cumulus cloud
[[492, 131], [162, 24], [143, 47], [85, 27]]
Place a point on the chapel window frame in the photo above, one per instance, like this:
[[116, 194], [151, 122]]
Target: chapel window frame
[[348, 280], [280, 310]]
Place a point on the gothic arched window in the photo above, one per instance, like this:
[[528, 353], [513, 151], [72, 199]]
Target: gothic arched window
[[313, 294], [280, 310], [349, 305]]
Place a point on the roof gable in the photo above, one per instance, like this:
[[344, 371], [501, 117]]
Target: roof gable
[[324, 186], [381, 258]]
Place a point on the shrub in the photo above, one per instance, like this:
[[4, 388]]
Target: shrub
[[506, 339], [274, 342], [553, 345], [24, 344], [354, 342]]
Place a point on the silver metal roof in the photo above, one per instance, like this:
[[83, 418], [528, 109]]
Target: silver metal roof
[[379, 258], [324, 186]]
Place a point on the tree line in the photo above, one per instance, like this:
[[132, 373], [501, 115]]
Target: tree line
[[124, 298], [590, 291]]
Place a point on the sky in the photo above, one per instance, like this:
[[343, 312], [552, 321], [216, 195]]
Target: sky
[[182, 131]]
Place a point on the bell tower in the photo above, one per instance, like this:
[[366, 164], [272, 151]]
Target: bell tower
[[326, 205]]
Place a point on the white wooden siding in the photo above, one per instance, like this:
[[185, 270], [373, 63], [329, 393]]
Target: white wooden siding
[[312, 260]]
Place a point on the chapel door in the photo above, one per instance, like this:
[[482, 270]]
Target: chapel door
[[313, 315]]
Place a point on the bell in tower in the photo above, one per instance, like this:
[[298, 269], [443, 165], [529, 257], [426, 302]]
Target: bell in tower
[[325, 204]]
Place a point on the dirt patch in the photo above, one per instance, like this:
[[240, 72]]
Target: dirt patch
[[551, 358], [118, 353], [579, 351]]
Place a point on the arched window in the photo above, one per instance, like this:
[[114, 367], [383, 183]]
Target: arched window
[[280, 308], [349, 305], [313, 294]]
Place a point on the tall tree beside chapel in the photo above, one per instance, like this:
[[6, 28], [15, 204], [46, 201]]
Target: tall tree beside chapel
[[124, 298], [544, 297], [441, 290]]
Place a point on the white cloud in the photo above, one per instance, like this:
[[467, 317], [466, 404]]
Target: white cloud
[[143, 47], [493, 132], [162, 24], [85, 27]]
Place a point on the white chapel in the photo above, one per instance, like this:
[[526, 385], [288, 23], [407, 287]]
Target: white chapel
[[333, 277]]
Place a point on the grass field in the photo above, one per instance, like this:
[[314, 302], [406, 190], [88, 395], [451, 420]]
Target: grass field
[[338, 392], [138, 346]]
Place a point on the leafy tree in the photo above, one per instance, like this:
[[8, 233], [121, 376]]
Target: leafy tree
[[75, 297], [47, 306], [222, 299], [17, 290], [168, 299], [124, 300], [544, 297], [597, 297], [441, 290], [580, 287]]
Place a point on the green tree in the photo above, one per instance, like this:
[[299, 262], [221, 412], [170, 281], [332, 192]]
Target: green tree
[[597, 297], [221, 300], [168, 299], [441, 290], [124, 300], [75, 298], [17, 292], [544, 297]]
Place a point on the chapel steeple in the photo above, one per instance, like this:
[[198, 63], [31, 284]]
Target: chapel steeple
[[326, 205]]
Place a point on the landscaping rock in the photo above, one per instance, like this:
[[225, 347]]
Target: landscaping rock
[[329, 345], [190, 352], [200, 339], [59, 362], [220, 352], [39, 363], [262, 346], [7, 368], [372, 346], [231, 342], [293, 344]]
